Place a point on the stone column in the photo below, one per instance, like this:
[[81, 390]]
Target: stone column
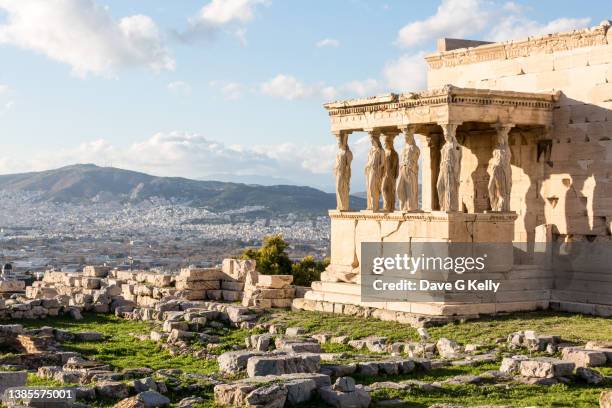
[[374, 170], [430, 166], [500, 170], [450, 169], [342, 171], [391, 171], [408, 182]]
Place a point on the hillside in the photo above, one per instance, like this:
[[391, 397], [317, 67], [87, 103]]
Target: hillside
[[87, 182]]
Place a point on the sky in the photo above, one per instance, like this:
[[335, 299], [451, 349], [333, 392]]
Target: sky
[[224, 89]]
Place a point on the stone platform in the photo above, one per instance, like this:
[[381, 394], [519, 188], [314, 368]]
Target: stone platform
[[523, 288]]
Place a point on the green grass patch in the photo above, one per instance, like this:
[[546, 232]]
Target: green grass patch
[[578, 328], [119, 348], [559, 395]]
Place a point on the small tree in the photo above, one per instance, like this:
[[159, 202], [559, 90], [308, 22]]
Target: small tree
[[308, 270], [272, 258]]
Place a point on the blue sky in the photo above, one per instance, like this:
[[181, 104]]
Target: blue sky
[[225, 89]]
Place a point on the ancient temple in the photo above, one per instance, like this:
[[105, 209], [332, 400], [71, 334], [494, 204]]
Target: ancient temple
[[512, 144]]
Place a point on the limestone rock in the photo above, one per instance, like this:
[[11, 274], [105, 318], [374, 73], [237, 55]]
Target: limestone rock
[[448, 348], [338, 399], [344, 384], [153, 399], [584, 358], [300, 390], [12, 379], [546, 367], [189, 402], [233, 361], [283, 364], [605, 399], [272, 396], [145, 384], [132, 402], [274, 281], [112, 389], [294, 331], [589, 375], [512, 365]]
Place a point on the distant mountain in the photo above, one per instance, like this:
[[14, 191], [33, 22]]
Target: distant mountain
[[82, 183]]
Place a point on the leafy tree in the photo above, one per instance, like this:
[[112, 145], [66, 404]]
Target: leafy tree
[[272, 258], [308, 270]]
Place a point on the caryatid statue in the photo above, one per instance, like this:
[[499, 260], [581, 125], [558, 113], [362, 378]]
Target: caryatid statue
[[450, 169], [374, 170], [500, 172], [390, 174], [342, 170], [408, 182]]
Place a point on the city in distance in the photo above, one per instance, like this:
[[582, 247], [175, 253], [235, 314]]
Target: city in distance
[[87, 214]]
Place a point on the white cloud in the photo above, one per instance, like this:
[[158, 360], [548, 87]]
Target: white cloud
[[362, 88], [180, 88], [287, 87], [232, 91], [218, 14], [3, 89], [194, 156], [516, 26], [453, 18], [84, 35], [328, 42], [221, 12], [407, 73]]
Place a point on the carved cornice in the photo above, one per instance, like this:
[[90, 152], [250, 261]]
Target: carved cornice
[[545, 44], [435, 216], [448, 95]]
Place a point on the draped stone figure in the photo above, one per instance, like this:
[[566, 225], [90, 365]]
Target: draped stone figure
[[450, 168], [408, 182], [342, 170], [500, 172], [390, 175], [374, 170]]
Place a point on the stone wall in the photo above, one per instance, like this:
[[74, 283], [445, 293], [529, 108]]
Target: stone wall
[[101, 290], [568, 184]]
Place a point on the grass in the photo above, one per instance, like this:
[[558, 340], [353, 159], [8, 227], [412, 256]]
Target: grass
[[576, 328], [121, 349], [559, 395]]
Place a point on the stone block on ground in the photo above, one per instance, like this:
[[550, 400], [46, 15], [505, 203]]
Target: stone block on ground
[[201, 274], [10, 379], [283, 364], [605, 399], [153, 399], [546, 367], [294, 331], [96, 271], [234, 361], [238, 269], [589, 375], [11, 286], [584, 358], [512, 365], [358, 398], [271, 396], [448, 348], [112, 389], [274, 281]]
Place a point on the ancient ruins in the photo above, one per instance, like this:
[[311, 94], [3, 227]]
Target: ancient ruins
[[513, 147]]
